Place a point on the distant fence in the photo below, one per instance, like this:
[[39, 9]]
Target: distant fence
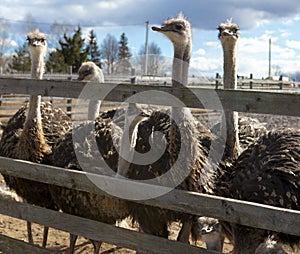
[[236, 211]]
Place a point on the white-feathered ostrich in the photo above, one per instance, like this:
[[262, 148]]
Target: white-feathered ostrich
[[31, 133], [106, 209], [180, 137], [89, 71]]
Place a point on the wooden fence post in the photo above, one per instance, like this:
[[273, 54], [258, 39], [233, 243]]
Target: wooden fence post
[[69, 101], [280, 84], [217, 81], [251, 81]]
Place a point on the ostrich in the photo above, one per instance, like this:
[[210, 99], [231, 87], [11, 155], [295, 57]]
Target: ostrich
[[240, 131], [89, 71], [210, 231], [181, 136], [267, 172], [228, 35], [270, 246], [106, 209], [31, 136]]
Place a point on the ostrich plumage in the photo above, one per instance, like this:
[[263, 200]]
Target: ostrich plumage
[[182, 137], [97, 207], [267, 172], [55, 124], [155, 220], [32, 132], [106, 133]]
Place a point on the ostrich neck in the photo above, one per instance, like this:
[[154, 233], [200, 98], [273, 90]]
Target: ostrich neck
[[32, 145], [230, 81], [34, 112], [180, 67], [231, 117], [94, 105], [37, 66]]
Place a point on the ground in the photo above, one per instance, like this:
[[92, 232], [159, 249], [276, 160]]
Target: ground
[[59, 240]]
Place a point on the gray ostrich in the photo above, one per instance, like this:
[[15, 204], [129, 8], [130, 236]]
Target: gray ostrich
[[31, 133]]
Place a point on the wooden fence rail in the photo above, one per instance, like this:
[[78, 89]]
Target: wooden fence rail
[[237, 211], [193, 97], [246, 213]]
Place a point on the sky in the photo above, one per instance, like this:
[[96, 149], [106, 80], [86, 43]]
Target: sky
[[259, 21]]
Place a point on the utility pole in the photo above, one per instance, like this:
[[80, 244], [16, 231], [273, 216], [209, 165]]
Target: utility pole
[[270, 58], [146, 48]]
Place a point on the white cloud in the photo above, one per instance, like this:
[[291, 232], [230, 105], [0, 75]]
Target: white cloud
[[213, 43], [200, 52], [293, 44]]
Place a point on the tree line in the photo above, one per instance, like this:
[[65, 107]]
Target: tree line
[[72, 49]]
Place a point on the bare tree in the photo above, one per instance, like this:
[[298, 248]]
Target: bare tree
[[276, 70], [30, 23], [5, 43], [109, 49], [57, 31], [156, 63]]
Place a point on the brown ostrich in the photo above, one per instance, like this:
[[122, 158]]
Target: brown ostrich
[[31, 133], [267, 172], [106, 133], [178, 137]]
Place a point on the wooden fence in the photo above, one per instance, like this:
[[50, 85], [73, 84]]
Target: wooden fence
[[246, 213]]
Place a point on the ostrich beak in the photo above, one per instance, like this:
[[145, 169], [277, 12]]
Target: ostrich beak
[[157, 29]]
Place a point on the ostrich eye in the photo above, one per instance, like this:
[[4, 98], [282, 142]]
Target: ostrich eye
[[179, 27], [87, 72]]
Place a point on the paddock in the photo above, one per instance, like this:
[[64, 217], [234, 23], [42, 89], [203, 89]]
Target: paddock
[[242, 100]]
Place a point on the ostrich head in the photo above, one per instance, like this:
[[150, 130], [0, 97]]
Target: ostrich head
[[178, 30], [209, 230], [228, 32], [270, 246], [89, 71], [37, 44]]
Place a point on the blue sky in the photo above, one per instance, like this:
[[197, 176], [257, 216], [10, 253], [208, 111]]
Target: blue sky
[[258, 21]]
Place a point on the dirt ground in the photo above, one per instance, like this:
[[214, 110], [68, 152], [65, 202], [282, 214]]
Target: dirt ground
[[59, 240]]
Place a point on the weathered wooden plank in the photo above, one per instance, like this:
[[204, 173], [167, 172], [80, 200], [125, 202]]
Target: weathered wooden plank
[[242, 212], [15, 246], [237, 100], [96, 230]]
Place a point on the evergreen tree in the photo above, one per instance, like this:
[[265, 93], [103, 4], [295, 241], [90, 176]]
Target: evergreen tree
[[56, 63], [72, 52], [21, 60], [94, 54], [124, 52]]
